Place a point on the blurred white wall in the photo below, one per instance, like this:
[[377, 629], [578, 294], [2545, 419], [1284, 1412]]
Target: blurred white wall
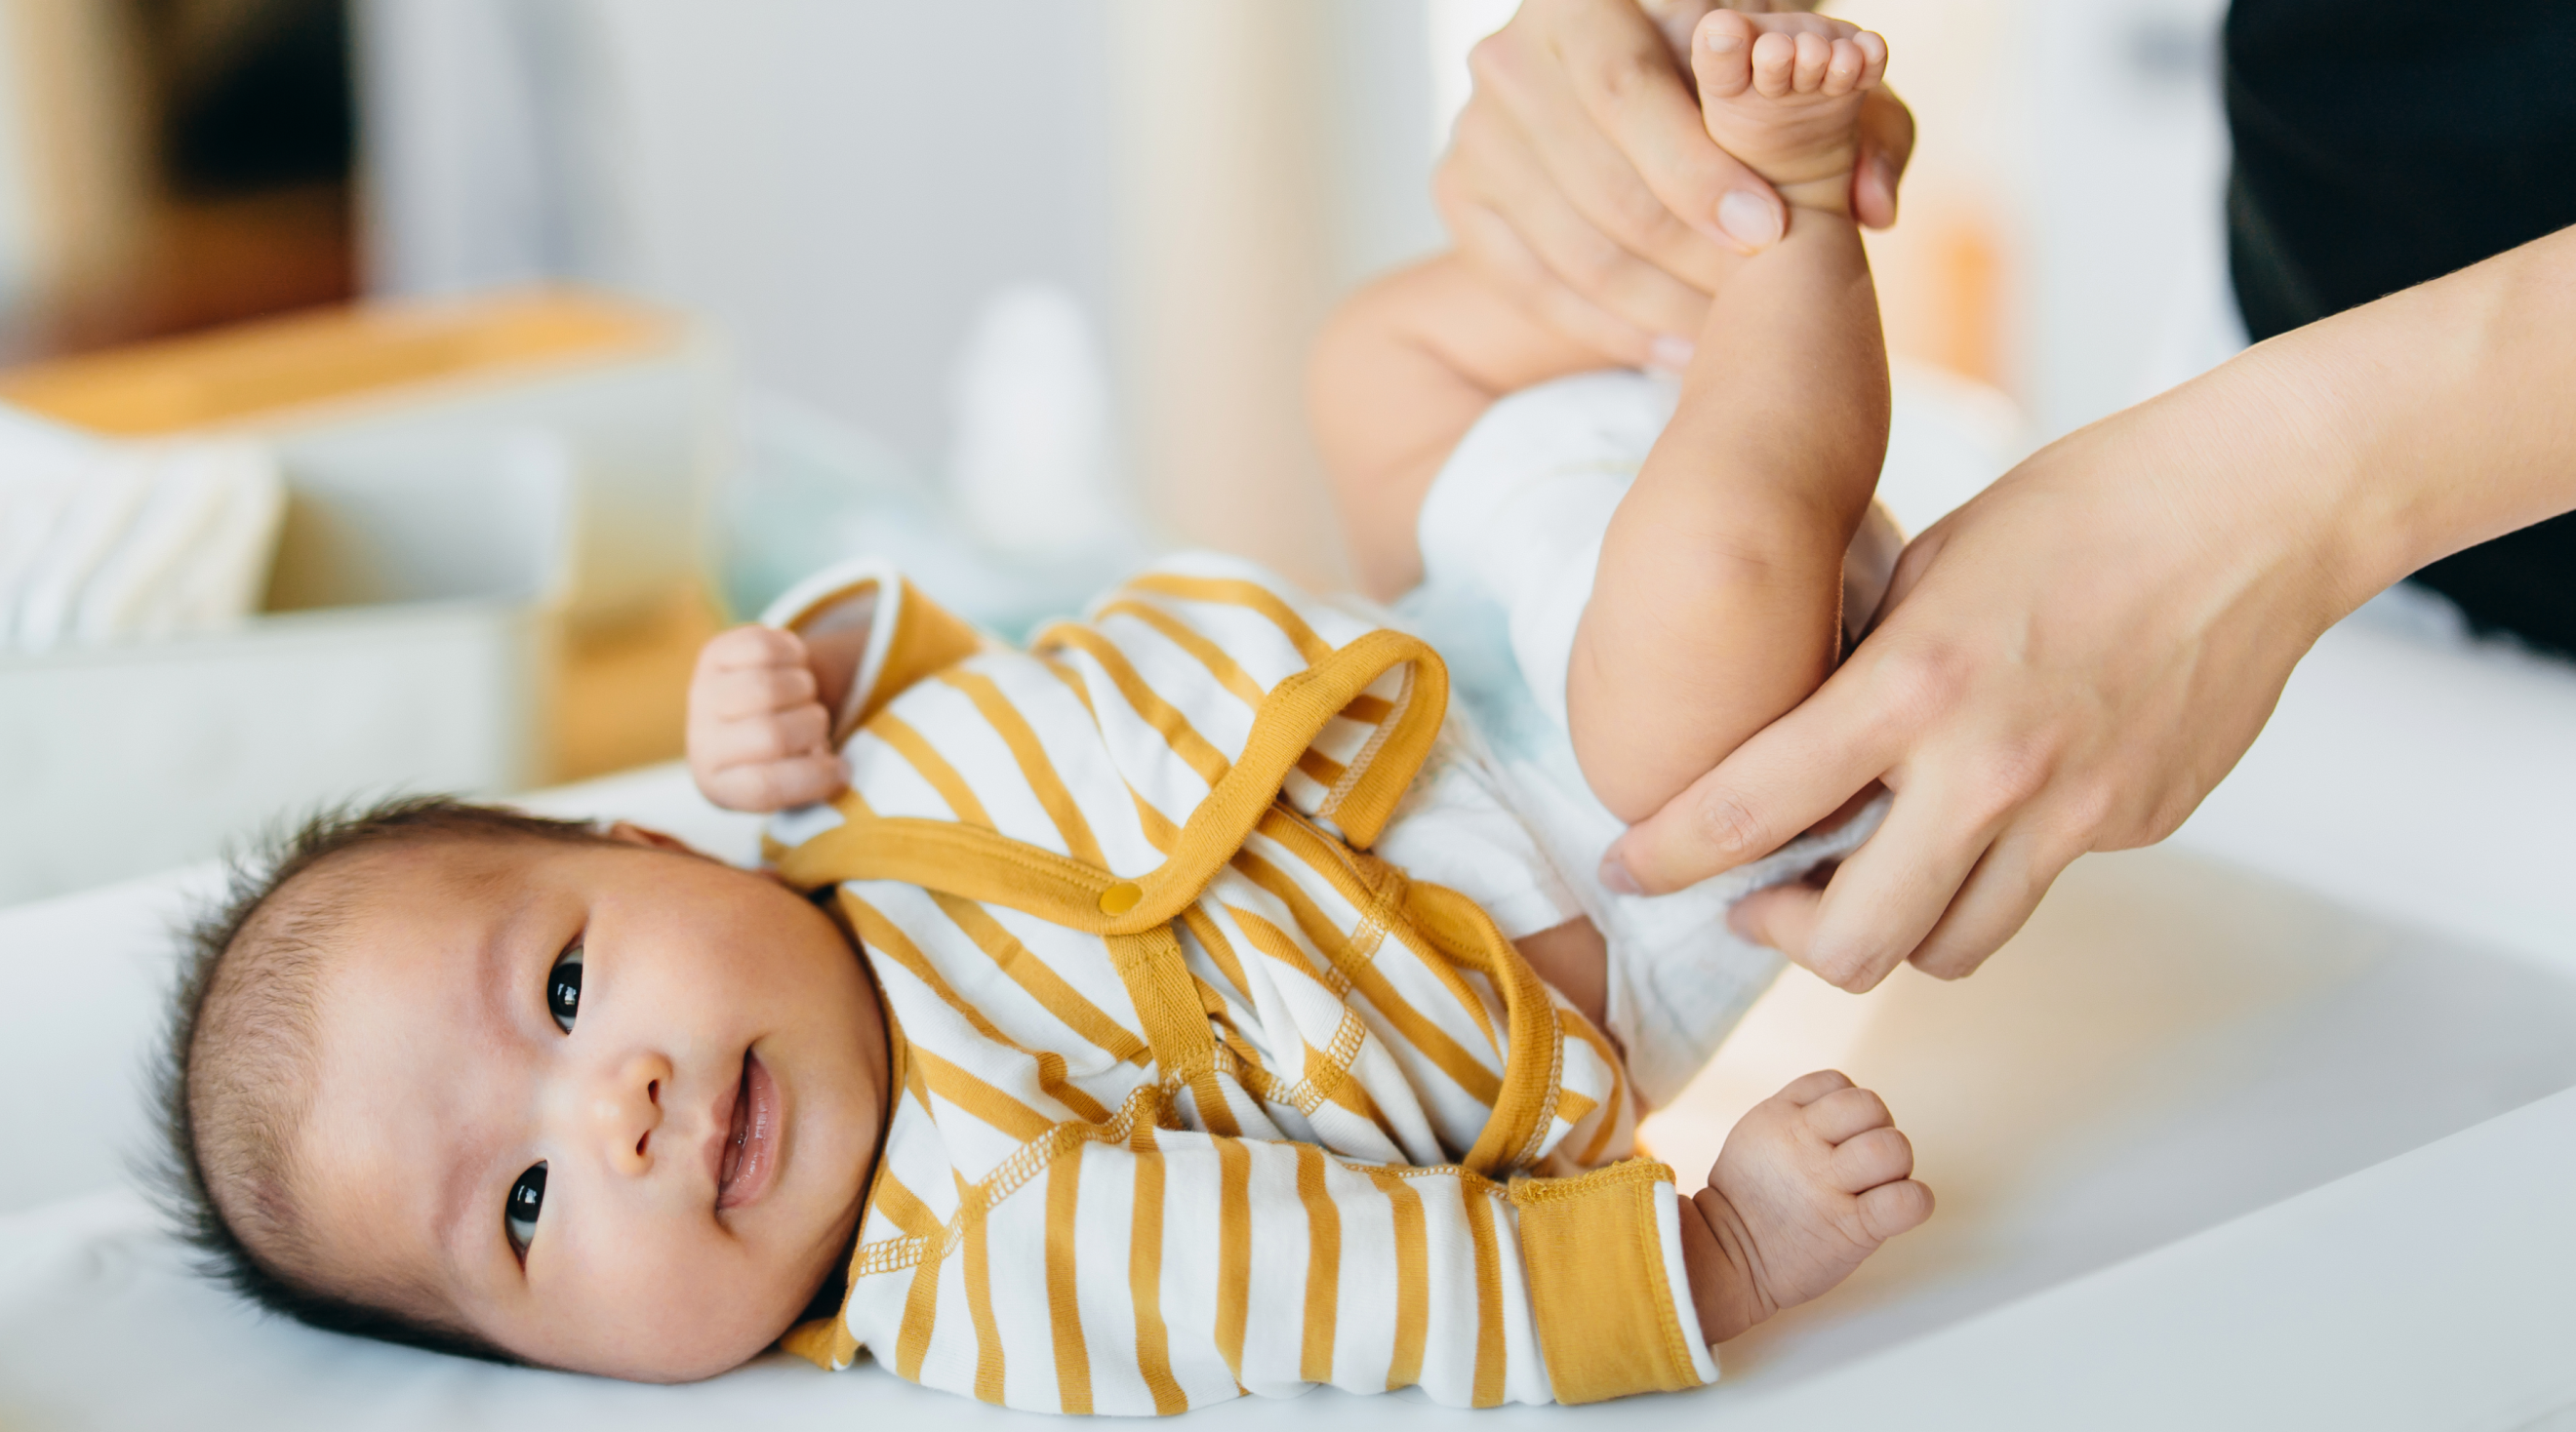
[[2062, 231], [840, 184], [837, 185]]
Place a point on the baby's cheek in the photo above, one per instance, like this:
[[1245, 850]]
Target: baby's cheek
[[672, 1303]]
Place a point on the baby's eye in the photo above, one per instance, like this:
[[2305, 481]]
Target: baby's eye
[[519, 1214], [563, 988]]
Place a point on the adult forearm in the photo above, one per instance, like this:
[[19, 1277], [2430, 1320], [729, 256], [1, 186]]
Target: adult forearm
[[2433, 419]]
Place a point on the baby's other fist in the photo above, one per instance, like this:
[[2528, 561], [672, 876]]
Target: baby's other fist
[[759, 738]]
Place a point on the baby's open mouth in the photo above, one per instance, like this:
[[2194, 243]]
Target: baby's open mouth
[[751, 1145]]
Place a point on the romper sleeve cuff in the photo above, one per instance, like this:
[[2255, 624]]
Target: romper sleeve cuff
[[1606, 1283]]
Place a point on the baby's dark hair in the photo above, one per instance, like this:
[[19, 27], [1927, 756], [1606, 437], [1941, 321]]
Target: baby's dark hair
[[234, 1078]]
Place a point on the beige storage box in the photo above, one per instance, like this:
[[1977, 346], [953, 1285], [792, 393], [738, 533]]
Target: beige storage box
[[470, 488]]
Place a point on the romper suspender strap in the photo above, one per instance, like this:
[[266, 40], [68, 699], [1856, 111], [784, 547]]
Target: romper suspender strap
[[1135, 916]]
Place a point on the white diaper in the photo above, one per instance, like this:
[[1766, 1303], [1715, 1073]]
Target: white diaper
[[1511, 532]]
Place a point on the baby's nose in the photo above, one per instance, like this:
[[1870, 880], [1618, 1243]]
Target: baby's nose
[[626, 1110]]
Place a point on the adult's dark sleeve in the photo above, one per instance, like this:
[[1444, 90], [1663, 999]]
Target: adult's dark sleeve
[[2380, 144]]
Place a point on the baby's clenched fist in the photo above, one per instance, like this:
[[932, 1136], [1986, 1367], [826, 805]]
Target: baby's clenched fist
[[759, 737]]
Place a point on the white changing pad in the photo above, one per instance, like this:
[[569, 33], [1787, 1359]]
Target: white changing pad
[[2174, 1044]]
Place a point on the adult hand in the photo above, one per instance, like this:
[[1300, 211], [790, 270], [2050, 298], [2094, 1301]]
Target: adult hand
[[1581, 181], [2067, 663]]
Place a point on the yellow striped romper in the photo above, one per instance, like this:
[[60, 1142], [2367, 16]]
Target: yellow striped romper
[[1196, 1097]]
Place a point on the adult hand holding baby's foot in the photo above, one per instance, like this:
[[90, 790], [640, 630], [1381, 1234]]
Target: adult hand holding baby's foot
[[759, 737], [1811, 1181]]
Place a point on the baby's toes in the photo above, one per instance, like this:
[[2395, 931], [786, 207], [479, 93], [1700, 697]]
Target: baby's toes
[[1844, 69], [1846, 1112], [1873, 50], [1893, 1208], [1723, 57], [1775, 64], [1815, 53], [1865, 1161]]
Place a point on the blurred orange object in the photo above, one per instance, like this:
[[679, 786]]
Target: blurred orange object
[[258, 369]]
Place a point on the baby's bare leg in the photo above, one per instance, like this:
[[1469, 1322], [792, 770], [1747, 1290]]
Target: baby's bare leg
[[1718, 601]]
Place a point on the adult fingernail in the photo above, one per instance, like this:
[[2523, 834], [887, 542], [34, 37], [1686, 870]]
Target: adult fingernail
[[1749, 219], [1614, 877], [1671, 351]]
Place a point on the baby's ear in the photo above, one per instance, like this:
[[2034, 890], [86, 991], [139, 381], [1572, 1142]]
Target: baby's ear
[[633, 834]]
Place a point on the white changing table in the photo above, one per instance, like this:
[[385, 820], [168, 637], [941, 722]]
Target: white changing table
[[2213, 1149]]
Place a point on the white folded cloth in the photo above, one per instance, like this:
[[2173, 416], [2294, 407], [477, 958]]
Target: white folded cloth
[[106, 540]]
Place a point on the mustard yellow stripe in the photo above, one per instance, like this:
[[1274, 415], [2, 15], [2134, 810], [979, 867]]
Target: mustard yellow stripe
[[1145, 1279], [1035, 768], [1216, 1112], [1064, 1310], [1320, 768], [1159, 830], [1335, 863], [1235, 592], [1462, 931], [918, 1091], [1327, 1071], [979, 1303], [934, 768], [1489, 1294], [1228, 672], [1447, 1054], [1219, 948], [1323, 1266], [1160, 833], [904, 1208], [1275, 942], [920, 1312], [1039, 978], [1212, 1003], [882, 934], [1234, 1250], [1349, 1093], [1572, 1106], [1368, 710], [1071, 678], [1249, 1069], [1412, 1281], [1165, 718], [976, 1097], [1051, 1077]]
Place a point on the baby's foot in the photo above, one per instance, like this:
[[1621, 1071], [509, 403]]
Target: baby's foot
[[1783, 92], [1811, 1181]]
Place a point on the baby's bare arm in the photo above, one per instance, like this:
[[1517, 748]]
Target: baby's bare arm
[[1401, 372]]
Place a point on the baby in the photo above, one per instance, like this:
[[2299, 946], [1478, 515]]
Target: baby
[[1230, 1014]]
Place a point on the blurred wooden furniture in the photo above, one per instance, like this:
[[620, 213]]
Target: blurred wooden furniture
[[489, 575]]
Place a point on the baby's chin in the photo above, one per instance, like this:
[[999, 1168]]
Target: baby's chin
[[686, 1328]]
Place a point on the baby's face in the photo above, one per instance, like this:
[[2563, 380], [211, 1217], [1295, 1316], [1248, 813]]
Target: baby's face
[[610, 1107]]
